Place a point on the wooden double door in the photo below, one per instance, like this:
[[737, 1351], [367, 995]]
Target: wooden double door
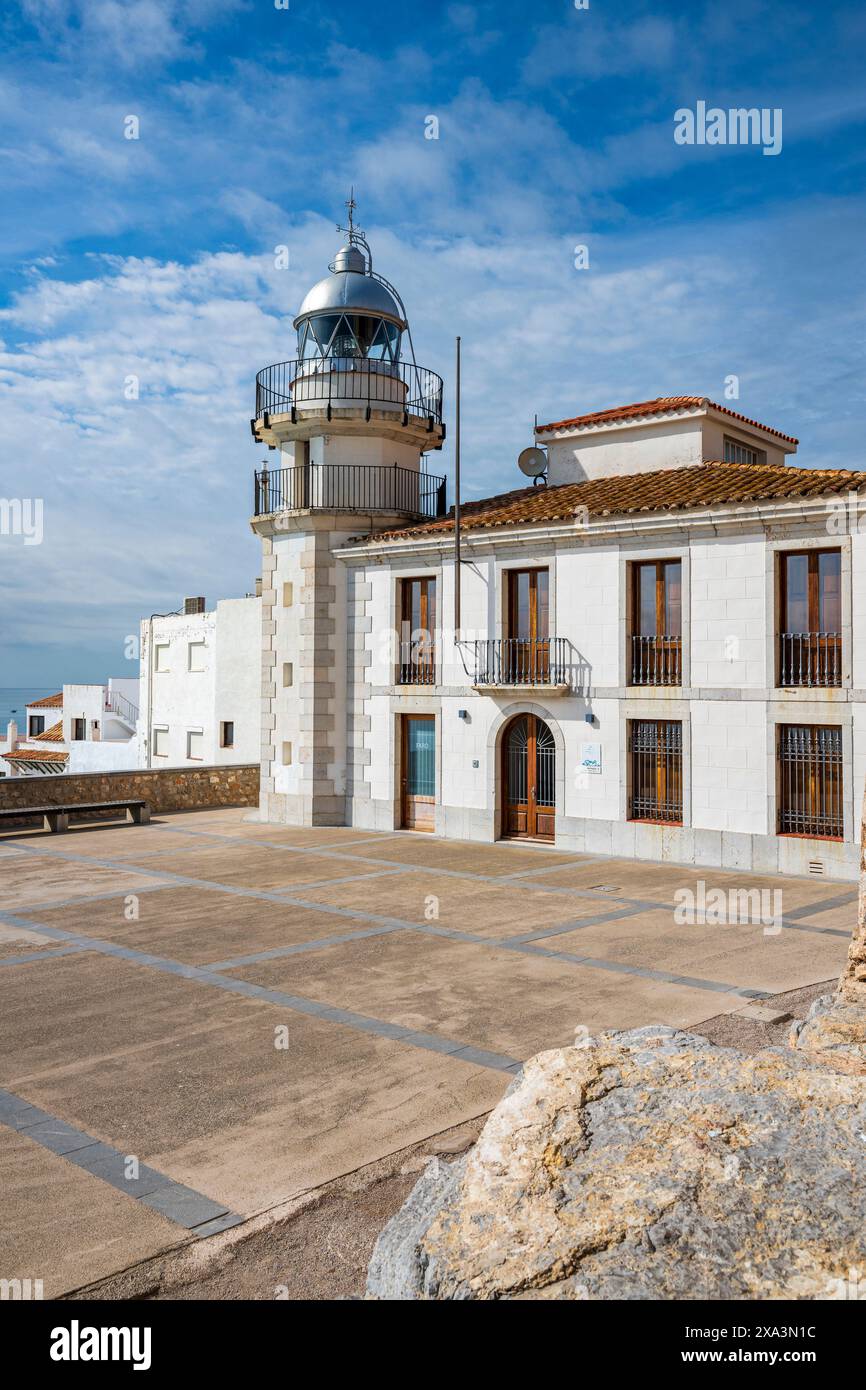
[[528, 779]]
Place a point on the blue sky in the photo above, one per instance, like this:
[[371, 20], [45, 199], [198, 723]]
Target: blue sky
[[155, 257]]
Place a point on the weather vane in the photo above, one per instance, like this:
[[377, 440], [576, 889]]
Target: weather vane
[[352, 231]]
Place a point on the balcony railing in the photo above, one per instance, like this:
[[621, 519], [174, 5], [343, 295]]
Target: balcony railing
[[656, 660], [810, 658], [344, 382], [519, 661], [417, 664], [349, 488]]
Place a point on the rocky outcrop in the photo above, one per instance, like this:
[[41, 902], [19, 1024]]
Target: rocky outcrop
[[654, 1165], [649, 1164]]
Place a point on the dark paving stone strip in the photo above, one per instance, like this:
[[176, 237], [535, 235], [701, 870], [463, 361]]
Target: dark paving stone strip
[[550, 869], [297, 1003], [192, 1210], [50, 954], [83, 898], [301, 948], [825, 905], [357, 914], [616, 967], [596, 921]]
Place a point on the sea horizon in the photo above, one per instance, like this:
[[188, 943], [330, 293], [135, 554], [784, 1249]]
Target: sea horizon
[[15, 698]]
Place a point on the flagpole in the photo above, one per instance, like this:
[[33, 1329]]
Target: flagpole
[[457, 503]]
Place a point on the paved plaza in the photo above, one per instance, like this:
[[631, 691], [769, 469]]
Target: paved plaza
[[204, 1017]]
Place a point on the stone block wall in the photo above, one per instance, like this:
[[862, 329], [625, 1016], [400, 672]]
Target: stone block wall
[[166, 788]]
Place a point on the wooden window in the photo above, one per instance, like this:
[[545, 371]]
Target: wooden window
[[79, 729], [656, 770], [161, 656], [810, 781], [417, 632], [195, 745], [160, 743], [656, 623], [227, 733], [35, 725], [525, 659], [810, 611]]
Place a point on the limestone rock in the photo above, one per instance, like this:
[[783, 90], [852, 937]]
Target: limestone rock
[[394, 1270], [834, 1030], [649, 1164]]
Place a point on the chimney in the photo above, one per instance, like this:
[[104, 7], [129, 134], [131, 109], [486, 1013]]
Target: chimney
[[192, 605], [258, 588], [11, 736]]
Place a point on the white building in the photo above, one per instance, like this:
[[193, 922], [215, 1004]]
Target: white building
[[199, 684], [83, 728], [660, 653]]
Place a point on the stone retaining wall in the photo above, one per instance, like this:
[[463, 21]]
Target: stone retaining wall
[[166, 788]]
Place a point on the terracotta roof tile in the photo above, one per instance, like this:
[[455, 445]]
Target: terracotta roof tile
[[35, 755], [52, 735], [49, 702], [661, 405], [671, 489]]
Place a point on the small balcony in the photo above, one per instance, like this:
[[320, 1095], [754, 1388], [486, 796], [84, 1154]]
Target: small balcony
[[656, 661], [810, 659], [417, 664], [337, 487], [347, 383], [522, 663]]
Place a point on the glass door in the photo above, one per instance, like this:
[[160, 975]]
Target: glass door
[[527, 647], [418, 776]]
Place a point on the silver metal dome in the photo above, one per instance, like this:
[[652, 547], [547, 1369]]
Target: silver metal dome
[[350, 289]]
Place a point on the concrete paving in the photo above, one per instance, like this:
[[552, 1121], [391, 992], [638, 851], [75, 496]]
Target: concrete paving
[[251, 1011]]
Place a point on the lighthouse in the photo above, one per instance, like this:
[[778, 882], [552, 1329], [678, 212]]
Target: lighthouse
[[348, 422]]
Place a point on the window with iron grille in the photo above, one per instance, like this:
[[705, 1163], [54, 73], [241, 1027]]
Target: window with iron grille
[[655, 748], [417, 663], [810, 781]]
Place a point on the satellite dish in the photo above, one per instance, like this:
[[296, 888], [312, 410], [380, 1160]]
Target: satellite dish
[[532, 462]]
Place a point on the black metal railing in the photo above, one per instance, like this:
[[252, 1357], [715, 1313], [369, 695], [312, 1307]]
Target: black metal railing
[[521, 661], [810, 658], [655, 750], [656, 661], [348, 487], [333, 381], [811, 799], [417, 664]]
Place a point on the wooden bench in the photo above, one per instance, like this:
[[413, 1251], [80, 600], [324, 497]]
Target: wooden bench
[[57, 817]]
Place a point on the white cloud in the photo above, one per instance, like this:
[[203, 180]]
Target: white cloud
[[148, 499]]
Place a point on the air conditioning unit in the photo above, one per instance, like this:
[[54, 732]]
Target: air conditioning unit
[[192, 605]]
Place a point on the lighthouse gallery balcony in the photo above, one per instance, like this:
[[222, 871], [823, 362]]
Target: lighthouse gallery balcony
[[349, 488], [335, 383]]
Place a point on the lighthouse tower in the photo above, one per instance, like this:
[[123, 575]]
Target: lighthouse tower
[[348, 420]]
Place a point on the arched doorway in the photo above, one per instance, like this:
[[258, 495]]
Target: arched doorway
[[528, 779]]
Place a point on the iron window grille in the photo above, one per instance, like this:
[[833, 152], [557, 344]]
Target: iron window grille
[[655, 748], [810, 781]]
